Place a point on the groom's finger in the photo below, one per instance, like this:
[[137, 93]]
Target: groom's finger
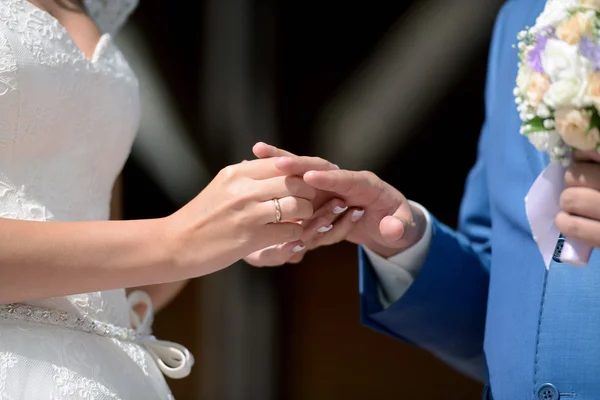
[[401, 227], [290, 163], [257, 169], [398, 227], [586, 156], [301, 165], [583, 174], [264, 150], [347, 183]]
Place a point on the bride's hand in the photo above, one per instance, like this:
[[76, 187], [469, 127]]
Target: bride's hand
[[329, 225], [235, 215]]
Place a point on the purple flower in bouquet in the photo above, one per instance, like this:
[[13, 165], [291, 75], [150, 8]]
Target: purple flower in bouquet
[[590, 50], [534, 57]]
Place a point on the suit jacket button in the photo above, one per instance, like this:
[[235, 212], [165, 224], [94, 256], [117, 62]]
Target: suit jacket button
[[547, 391]]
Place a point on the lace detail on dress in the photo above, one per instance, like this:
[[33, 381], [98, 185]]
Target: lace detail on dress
[[74, 387], [37, 28], [7, 360], [8, 94]]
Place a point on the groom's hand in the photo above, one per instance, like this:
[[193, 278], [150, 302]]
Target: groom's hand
[[389, 225], [580, 201]]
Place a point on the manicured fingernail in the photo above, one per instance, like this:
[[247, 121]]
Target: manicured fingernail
[[339, 210], [337, 166], [298, 248], [356, 215], [324, 229]]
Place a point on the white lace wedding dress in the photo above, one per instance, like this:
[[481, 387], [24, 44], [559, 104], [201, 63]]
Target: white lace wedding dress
[[66, 127]]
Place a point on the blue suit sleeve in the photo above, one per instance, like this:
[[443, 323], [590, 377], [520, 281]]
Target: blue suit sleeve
[[444, 309]]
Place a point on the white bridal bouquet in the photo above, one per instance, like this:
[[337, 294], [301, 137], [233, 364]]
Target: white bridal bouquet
[[558, 98]]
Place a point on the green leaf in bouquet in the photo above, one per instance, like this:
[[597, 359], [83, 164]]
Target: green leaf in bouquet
[[533, 126], [594, 120], [576, 10]]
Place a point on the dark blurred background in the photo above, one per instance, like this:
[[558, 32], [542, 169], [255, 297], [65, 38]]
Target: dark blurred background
[[392, 87]]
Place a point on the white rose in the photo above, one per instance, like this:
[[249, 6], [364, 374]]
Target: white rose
[[569, 73], [561, 60], [554, 12], [568, 92]]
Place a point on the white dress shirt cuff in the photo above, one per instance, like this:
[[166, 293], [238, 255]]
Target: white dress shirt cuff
[[398, 272]]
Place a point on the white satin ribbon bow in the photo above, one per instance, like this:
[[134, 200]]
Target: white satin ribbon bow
[[173, 359]]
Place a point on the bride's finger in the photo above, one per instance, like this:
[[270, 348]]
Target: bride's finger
[[297, 257], [274, 234], [283, 186], [324, 218], [285, 209], [340, 229], [276, 255]]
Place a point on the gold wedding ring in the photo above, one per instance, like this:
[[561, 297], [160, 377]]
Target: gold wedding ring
[[277, 211]]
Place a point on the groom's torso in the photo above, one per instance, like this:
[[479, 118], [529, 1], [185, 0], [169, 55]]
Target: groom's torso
[[543, 327]]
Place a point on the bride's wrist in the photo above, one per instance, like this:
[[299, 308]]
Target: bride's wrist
[[160, 249], [198, 248], [174, 243]]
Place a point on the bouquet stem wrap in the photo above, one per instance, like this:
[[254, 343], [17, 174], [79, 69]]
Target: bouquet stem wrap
[[542, 206]]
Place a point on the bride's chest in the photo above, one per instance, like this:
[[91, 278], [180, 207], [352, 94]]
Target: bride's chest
[[52, 97]]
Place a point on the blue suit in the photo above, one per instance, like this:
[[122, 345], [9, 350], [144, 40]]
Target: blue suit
[[484, 301]]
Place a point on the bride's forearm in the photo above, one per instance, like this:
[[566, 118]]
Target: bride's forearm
[[161, 294], [47, 259]]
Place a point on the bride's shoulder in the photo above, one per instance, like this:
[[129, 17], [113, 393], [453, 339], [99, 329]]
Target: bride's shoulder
[[110, 15]]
